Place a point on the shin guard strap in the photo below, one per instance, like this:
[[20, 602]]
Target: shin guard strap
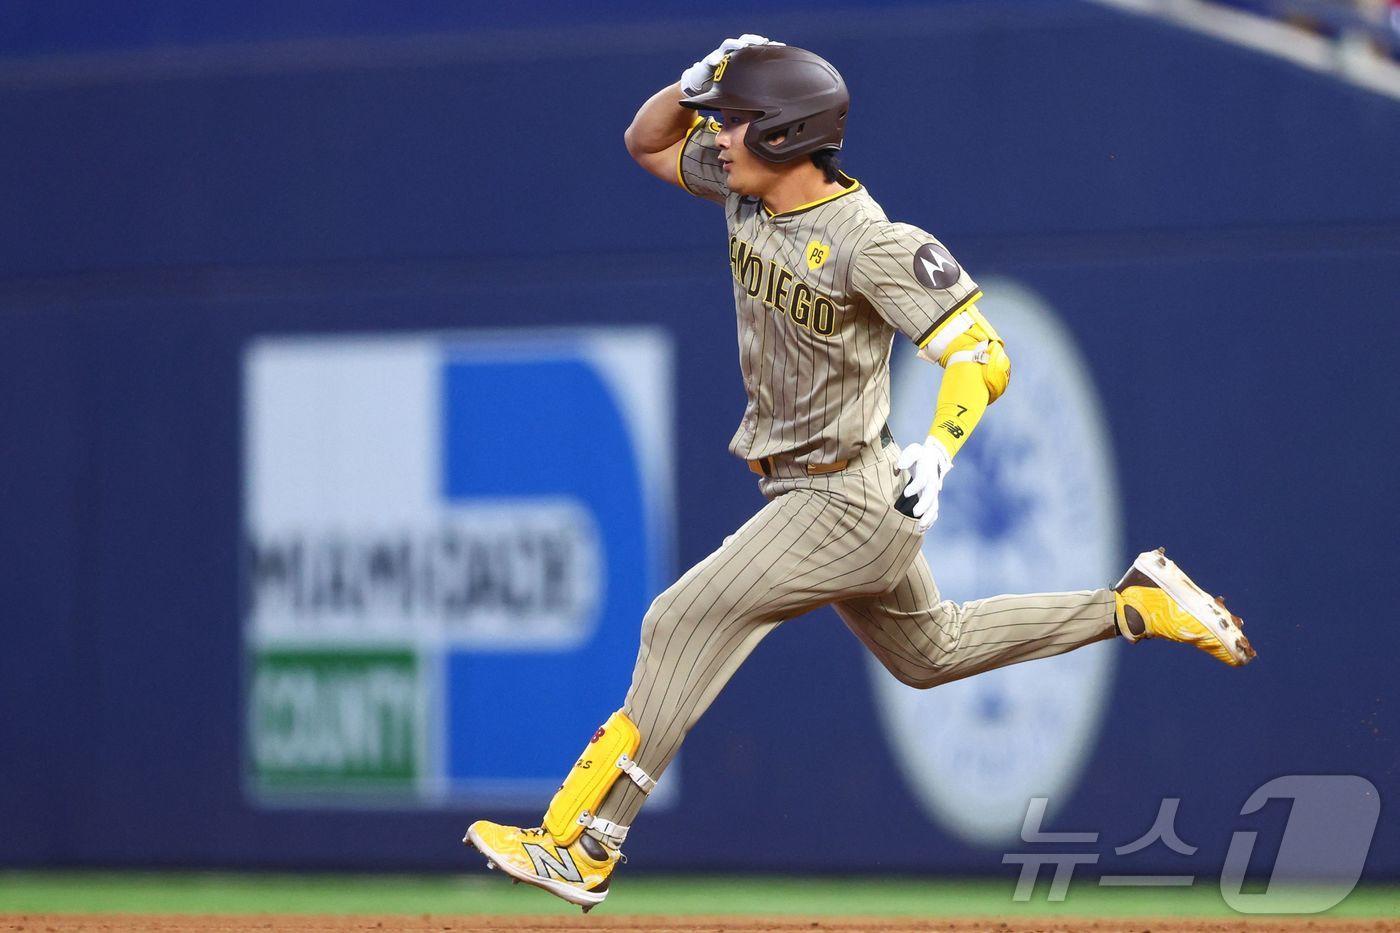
[[613, 834], [635, 772]]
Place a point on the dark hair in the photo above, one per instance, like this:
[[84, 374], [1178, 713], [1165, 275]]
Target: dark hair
[[829, 161]]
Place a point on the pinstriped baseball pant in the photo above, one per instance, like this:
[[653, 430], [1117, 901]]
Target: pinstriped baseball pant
[[828, 539]]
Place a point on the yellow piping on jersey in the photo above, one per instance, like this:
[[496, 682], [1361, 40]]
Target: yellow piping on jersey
[[680, 153], [855, 186], [948, 316]]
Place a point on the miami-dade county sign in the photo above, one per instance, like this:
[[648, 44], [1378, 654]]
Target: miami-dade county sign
[[451, 542]]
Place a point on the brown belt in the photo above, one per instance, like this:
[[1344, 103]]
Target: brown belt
[[763, 466]]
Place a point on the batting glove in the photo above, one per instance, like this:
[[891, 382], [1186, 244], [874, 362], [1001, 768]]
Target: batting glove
[[927, 464], [694, 78]]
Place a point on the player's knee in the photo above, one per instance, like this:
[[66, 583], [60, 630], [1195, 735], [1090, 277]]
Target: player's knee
[[923, 673], [929, 677], [919, 681], [932, 676], [669, 614], [658, 621], [920, 674]]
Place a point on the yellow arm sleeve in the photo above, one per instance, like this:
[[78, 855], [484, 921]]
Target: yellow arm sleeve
[[962, 398], [970, 383]]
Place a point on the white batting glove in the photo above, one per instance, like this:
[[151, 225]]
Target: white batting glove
[[927, 464], [694, 78]]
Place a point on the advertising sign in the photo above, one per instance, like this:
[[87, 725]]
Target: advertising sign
[[451, 542]]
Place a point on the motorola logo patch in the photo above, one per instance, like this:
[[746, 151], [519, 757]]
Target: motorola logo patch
[[935, 267]]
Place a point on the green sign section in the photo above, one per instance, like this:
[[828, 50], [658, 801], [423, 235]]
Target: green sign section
[[333, 721]]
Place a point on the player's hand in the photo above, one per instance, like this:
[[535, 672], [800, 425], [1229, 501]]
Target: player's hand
[[927, 464], [694, 78]]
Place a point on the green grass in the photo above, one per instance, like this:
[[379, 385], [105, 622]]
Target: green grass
[[178, 893]]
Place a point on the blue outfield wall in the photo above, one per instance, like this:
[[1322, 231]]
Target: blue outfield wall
[[1218, 234]]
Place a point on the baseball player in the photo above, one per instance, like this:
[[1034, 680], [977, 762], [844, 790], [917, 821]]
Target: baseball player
[[823, 280]]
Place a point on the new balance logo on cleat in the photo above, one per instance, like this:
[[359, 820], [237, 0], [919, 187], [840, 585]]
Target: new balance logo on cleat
[[562, 864], [578, 872]]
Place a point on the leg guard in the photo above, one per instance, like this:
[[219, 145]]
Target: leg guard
[[607, 757]]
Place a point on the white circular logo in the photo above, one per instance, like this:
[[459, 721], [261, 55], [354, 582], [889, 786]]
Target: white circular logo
[[1031, 506]]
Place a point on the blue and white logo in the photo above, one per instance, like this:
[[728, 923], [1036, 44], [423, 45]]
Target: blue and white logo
[[1030, 506], [452, 539]]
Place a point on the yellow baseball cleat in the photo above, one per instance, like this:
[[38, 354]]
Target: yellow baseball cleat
[[1156, 600], [579, 872]]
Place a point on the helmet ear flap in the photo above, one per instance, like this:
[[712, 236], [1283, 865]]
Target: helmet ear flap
[[798, 138], [778, 144]]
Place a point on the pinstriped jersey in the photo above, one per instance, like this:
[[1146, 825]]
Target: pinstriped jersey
[[820, 291]]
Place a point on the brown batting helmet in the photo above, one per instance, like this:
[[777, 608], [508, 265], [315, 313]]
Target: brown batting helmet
[[795, 93]]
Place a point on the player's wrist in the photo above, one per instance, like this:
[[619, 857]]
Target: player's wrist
[[940, 451], [694, 78]]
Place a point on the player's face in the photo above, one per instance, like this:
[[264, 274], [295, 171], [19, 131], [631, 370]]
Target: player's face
[[745, 172]]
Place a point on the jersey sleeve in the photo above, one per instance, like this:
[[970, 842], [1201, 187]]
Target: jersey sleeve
[[698, 166], [912, 281]]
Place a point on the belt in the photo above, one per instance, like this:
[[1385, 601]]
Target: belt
[[763, 466], [766, 466]]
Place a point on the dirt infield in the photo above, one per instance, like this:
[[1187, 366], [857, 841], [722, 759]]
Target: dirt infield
[[133, 923]]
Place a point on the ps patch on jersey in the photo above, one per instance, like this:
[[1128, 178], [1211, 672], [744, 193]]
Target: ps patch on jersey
[[935, 267], [816, 254]]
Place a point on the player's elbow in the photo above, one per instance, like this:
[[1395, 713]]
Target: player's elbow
[[640, 148], [988, 360], [643, 138], [631, 138], [996, 372]]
